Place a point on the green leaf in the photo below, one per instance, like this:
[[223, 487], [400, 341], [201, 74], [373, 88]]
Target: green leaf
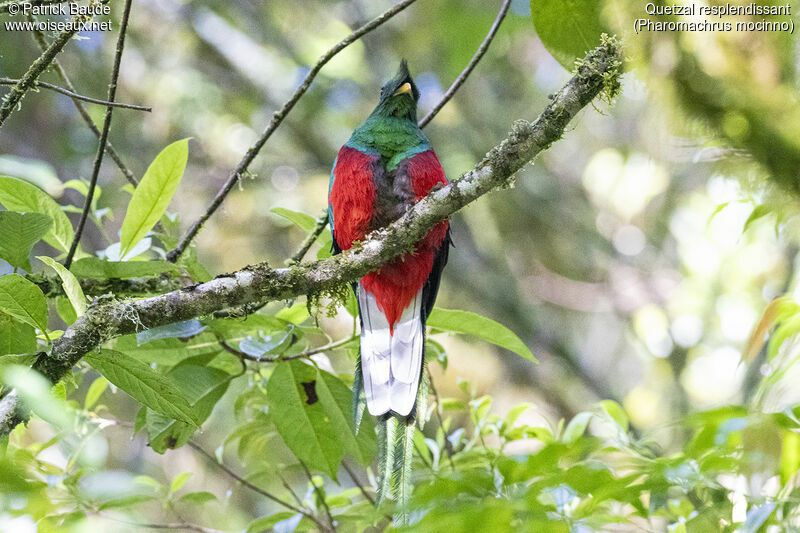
[[568, 28], [337, 401], [198, 498], [16, 337], [177, 330], [18, 195], [179, 481], [615, 412], [96, 268], [203, 386], [300, 418], [758, 212], [18, 233], [65, 310], [96, 389], [305, 222], [576, 427], [168, 352], [71, 286], [140, 381], [125, 501], [153, 194], [23, 300], [481, 327]]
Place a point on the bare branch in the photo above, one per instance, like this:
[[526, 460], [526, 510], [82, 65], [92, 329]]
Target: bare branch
[[101, 148], [56, 88], [252, 487], [40, 39], [277, 118], [28, 80], [358, 483], [256, 284], [277, 358], [321, 496], [470, 66]]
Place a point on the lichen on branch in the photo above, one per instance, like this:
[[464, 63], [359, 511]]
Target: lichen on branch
[[109, 318]]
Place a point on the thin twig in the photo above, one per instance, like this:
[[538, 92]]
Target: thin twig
[[40, 39], [252, 487], [56, 88], [320, 495], [291, 491], [277, 118], [16, 93], [301, 252], [470, 67], [177, 525], [101, 147], [358, 483], [275, 359]]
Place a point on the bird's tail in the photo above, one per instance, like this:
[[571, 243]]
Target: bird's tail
[[395, 454], [395, 444]]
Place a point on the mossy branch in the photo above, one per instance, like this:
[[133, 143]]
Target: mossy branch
[[108, 318]]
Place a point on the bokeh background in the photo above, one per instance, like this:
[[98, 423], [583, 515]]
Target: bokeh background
[[628, 256]]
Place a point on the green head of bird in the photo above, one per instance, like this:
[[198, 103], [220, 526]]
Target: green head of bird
[[399, 96]]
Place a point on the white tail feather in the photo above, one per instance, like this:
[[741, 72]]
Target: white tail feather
[[391, 364]]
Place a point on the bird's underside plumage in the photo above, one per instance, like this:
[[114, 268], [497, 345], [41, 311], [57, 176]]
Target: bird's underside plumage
[[385, 167]]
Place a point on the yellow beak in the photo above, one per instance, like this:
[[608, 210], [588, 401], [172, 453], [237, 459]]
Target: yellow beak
[[404, 89]]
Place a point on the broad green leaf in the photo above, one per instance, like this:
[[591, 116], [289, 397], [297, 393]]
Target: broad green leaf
[[576, 427], [198, 498], [71, 286], [65, 310], [259, 346], [18, 233], [16, 337], [125, 501], [23, 300], [179, 481], [153, 194], [479, 326], [337, 400], [96, 268], [96, 389], [168, 352], [300, 418], [305, 222], [18, 195], [203, 386], [296, 314], [140, 381], [616, 412], [568, 28], [176, 330]]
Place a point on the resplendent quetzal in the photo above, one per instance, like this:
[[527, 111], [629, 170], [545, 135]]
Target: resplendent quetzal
[[386, 166]]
